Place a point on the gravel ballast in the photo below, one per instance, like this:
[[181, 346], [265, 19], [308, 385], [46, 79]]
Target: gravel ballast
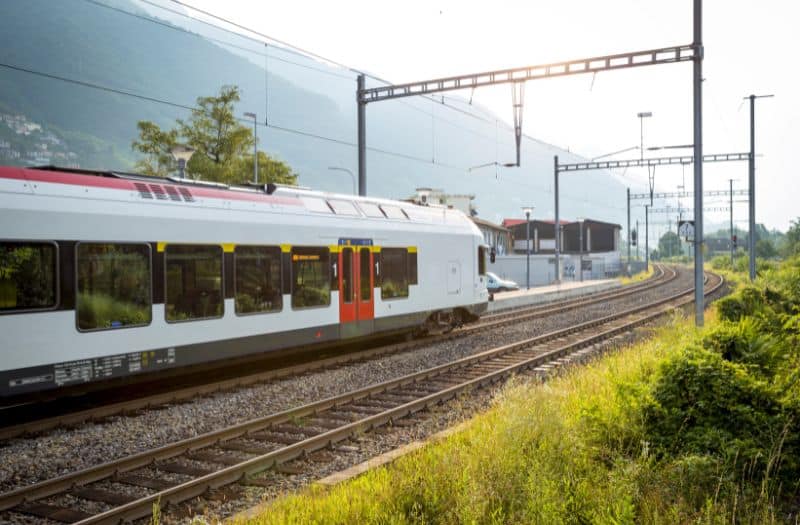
[[28, 460]]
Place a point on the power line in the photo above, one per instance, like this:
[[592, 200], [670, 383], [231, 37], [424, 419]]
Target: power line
[[117, 91], [301, 52], [253, 31], [210, 38]]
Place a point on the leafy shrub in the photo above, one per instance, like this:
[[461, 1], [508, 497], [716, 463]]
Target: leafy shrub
[[701, 404], [747, 301], [748, 343]]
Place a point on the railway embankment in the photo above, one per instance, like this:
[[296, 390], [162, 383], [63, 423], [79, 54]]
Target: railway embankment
[[688, 426]]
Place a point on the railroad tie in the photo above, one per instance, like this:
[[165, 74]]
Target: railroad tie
[[143, 481], [247, 448], [52, 512], [273, 437], [188, 470], [295, 429], [214, 457], [103, 496], [287, 469]]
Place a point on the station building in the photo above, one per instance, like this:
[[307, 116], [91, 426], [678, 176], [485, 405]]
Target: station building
[[589, 246]]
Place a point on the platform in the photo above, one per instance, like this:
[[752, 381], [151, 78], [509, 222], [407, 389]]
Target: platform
[[553, 292]]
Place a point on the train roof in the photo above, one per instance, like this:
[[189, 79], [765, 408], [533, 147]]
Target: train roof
[[176, 190]]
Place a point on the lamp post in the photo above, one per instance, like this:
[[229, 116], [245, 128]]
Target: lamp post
[[352, 175], [255, 146], [642, 115], [580, 249], [181, 153], [527, 210]]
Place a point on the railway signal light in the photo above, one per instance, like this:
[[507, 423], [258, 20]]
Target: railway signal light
[[492, 255], [734, 240], [633, 238]]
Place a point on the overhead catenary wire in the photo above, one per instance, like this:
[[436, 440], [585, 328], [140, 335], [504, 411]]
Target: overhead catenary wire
[[267, 56], [176, 105], [442, 100]]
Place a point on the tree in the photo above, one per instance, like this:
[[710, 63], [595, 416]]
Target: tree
[[669, 244], [792, 246], [223, 147], [156, 145], [765, 249]]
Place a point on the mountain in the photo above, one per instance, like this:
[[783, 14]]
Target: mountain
[[155, 64]]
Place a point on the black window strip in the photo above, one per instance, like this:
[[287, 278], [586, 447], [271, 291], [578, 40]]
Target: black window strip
[[227, 267], [66, 250], [158, 274], [286, 265], [412, 268]]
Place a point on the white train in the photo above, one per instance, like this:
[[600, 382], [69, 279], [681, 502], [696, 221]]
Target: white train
[[104, 275]]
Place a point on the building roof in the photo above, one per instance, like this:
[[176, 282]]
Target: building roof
[[490, 224], [510, 223]]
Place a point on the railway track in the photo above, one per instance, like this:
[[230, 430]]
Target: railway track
[[238, 453], [662, 275]]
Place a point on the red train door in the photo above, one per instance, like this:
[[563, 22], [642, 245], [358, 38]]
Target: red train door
[[356, 284], [347, 286], [366, 284]]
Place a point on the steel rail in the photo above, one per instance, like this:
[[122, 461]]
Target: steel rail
[[222, 477], [174, 396], [233, 474]]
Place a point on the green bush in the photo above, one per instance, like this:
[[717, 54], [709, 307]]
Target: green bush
[[748, 343], [749, 300], [701, 404]]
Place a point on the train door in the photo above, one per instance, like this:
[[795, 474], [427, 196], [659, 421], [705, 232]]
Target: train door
[[366, 284], [453, 277], [347, 288], [356, 290]]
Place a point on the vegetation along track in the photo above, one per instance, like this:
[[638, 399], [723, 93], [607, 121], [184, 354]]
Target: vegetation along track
[[662, 276], [238, 453]]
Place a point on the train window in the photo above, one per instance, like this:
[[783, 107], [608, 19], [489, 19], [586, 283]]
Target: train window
[[394, 273], [419, 213], [194, 282], [27, 276], [316, 205], [258, 279], [394, 212], [113, 285], [311, 282], [481, 260], [371, 210], [347, 275], [364, 278], [343, 207]]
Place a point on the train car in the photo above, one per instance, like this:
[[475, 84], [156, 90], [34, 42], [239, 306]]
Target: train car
[[106, 275]]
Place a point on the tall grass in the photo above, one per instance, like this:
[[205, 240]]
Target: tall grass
[[690, 426], [641, 276]]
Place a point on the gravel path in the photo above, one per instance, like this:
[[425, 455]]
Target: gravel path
[[28, 460]]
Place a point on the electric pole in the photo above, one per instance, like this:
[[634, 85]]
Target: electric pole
[[629, 231], [751, 179], [731, 206], [646, 237], [697, 106]]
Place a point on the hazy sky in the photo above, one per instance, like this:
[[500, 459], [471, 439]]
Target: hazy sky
[[749, 48]]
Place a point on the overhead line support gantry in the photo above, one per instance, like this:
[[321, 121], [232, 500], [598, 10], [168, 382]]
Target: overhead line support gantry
[[667, 55]]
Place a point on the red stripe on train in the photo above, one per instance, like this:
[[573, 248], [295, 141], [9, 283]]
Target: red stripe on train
[[95, 181]]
